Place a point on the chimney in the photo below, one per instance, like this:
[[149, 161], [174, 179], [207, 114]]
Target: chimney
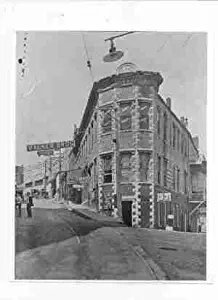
[[196, 141], [184, 121], [168, 100], [75, 129]]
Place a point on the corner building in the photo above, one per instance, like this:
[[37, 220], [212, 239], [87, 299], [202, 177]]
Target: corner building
[[135, 153]]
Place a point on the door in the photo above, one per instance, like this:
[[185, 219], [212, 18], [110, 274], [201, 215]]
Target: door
[[127, 212], [145, 213]]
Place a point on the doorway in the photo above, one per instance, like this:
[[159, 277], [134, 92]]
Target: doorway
[[127, 212]]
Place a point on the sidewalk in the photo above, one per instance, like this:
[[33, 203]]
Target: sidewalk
[[90, 213], [46, 203]]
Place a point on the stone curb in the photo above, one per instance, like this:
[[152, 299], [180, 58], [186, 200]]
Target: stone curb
[[81, 214], [88, 217]]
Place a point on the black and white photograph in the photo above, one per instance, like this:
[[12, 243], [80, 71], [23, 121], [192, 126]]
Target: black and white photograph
[[111, 155]]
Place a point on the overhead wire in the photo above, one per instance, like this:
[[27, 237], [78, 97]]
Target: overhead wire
[[88, 61]]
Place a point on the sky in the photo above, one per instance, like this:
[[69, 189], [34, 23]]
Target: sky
[[52, 95]]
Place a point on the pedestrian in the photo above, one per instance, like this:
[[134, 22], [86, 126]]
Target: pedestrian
[[19, 203], [199, 228], [29, 205]]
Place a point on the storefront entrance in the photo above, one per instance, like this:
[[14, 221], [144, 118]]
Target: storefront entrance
[[127, 212]]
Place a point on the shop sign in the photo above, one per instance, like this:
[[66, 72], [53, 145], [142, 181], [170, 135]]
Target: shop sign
[[170, 217], [163, 197], [45, 152], [78, 186], [50, 146]]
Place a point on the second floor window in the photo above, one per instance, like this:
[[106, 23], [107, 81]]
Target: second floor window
[[165, 127], [178, 180], [178, 140], [106, 121], [158, 119], [185, 148], [125, 116], [185, 182], [159, 169], [182, 143], [174, 178], [144, 159], [126, 167], [174, 136], [165, 165], [107, 168], [144, 115]]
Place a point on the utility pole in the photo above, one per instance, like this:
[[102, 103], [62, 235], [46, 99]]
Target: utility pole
[[60, 192], [117, 160], [45, 166]]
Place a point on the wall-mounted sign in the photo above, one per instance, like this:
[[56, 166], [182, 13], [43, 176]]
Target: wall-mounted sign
[[45, 152], [50, 146], [78, 186], [163, 197]]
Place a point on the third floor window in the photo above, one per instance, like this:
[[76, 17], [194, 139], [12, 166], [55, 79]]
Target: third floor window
[[106, 121], [125, 116], [165, 127], [144, 115]]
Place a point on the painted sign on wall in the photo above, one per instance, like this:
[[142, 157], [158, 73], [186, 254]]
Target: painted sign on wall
[[163, 197]]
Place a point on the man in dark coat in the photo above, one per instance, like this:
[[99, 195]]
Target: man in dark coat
[[29, 205]]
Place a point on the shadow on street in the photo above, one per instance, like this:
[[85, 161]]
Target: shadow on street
[[50, 226]]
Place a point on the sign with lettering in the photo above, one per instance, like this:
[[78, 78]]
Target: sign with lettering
[[45, 152], [50, 146], [163, 197]]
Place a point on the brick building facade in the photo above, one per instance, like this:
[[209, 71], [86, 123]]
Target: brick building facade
[[135, 153]]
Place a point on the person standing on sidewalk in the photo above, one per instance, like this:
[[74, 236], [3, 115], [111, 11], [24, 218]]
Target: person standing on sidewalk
[[29, 205], [19, 203]]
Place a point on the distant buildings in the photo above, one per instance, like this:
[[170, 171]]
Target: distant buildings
[[19, 175], [138, 159]]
